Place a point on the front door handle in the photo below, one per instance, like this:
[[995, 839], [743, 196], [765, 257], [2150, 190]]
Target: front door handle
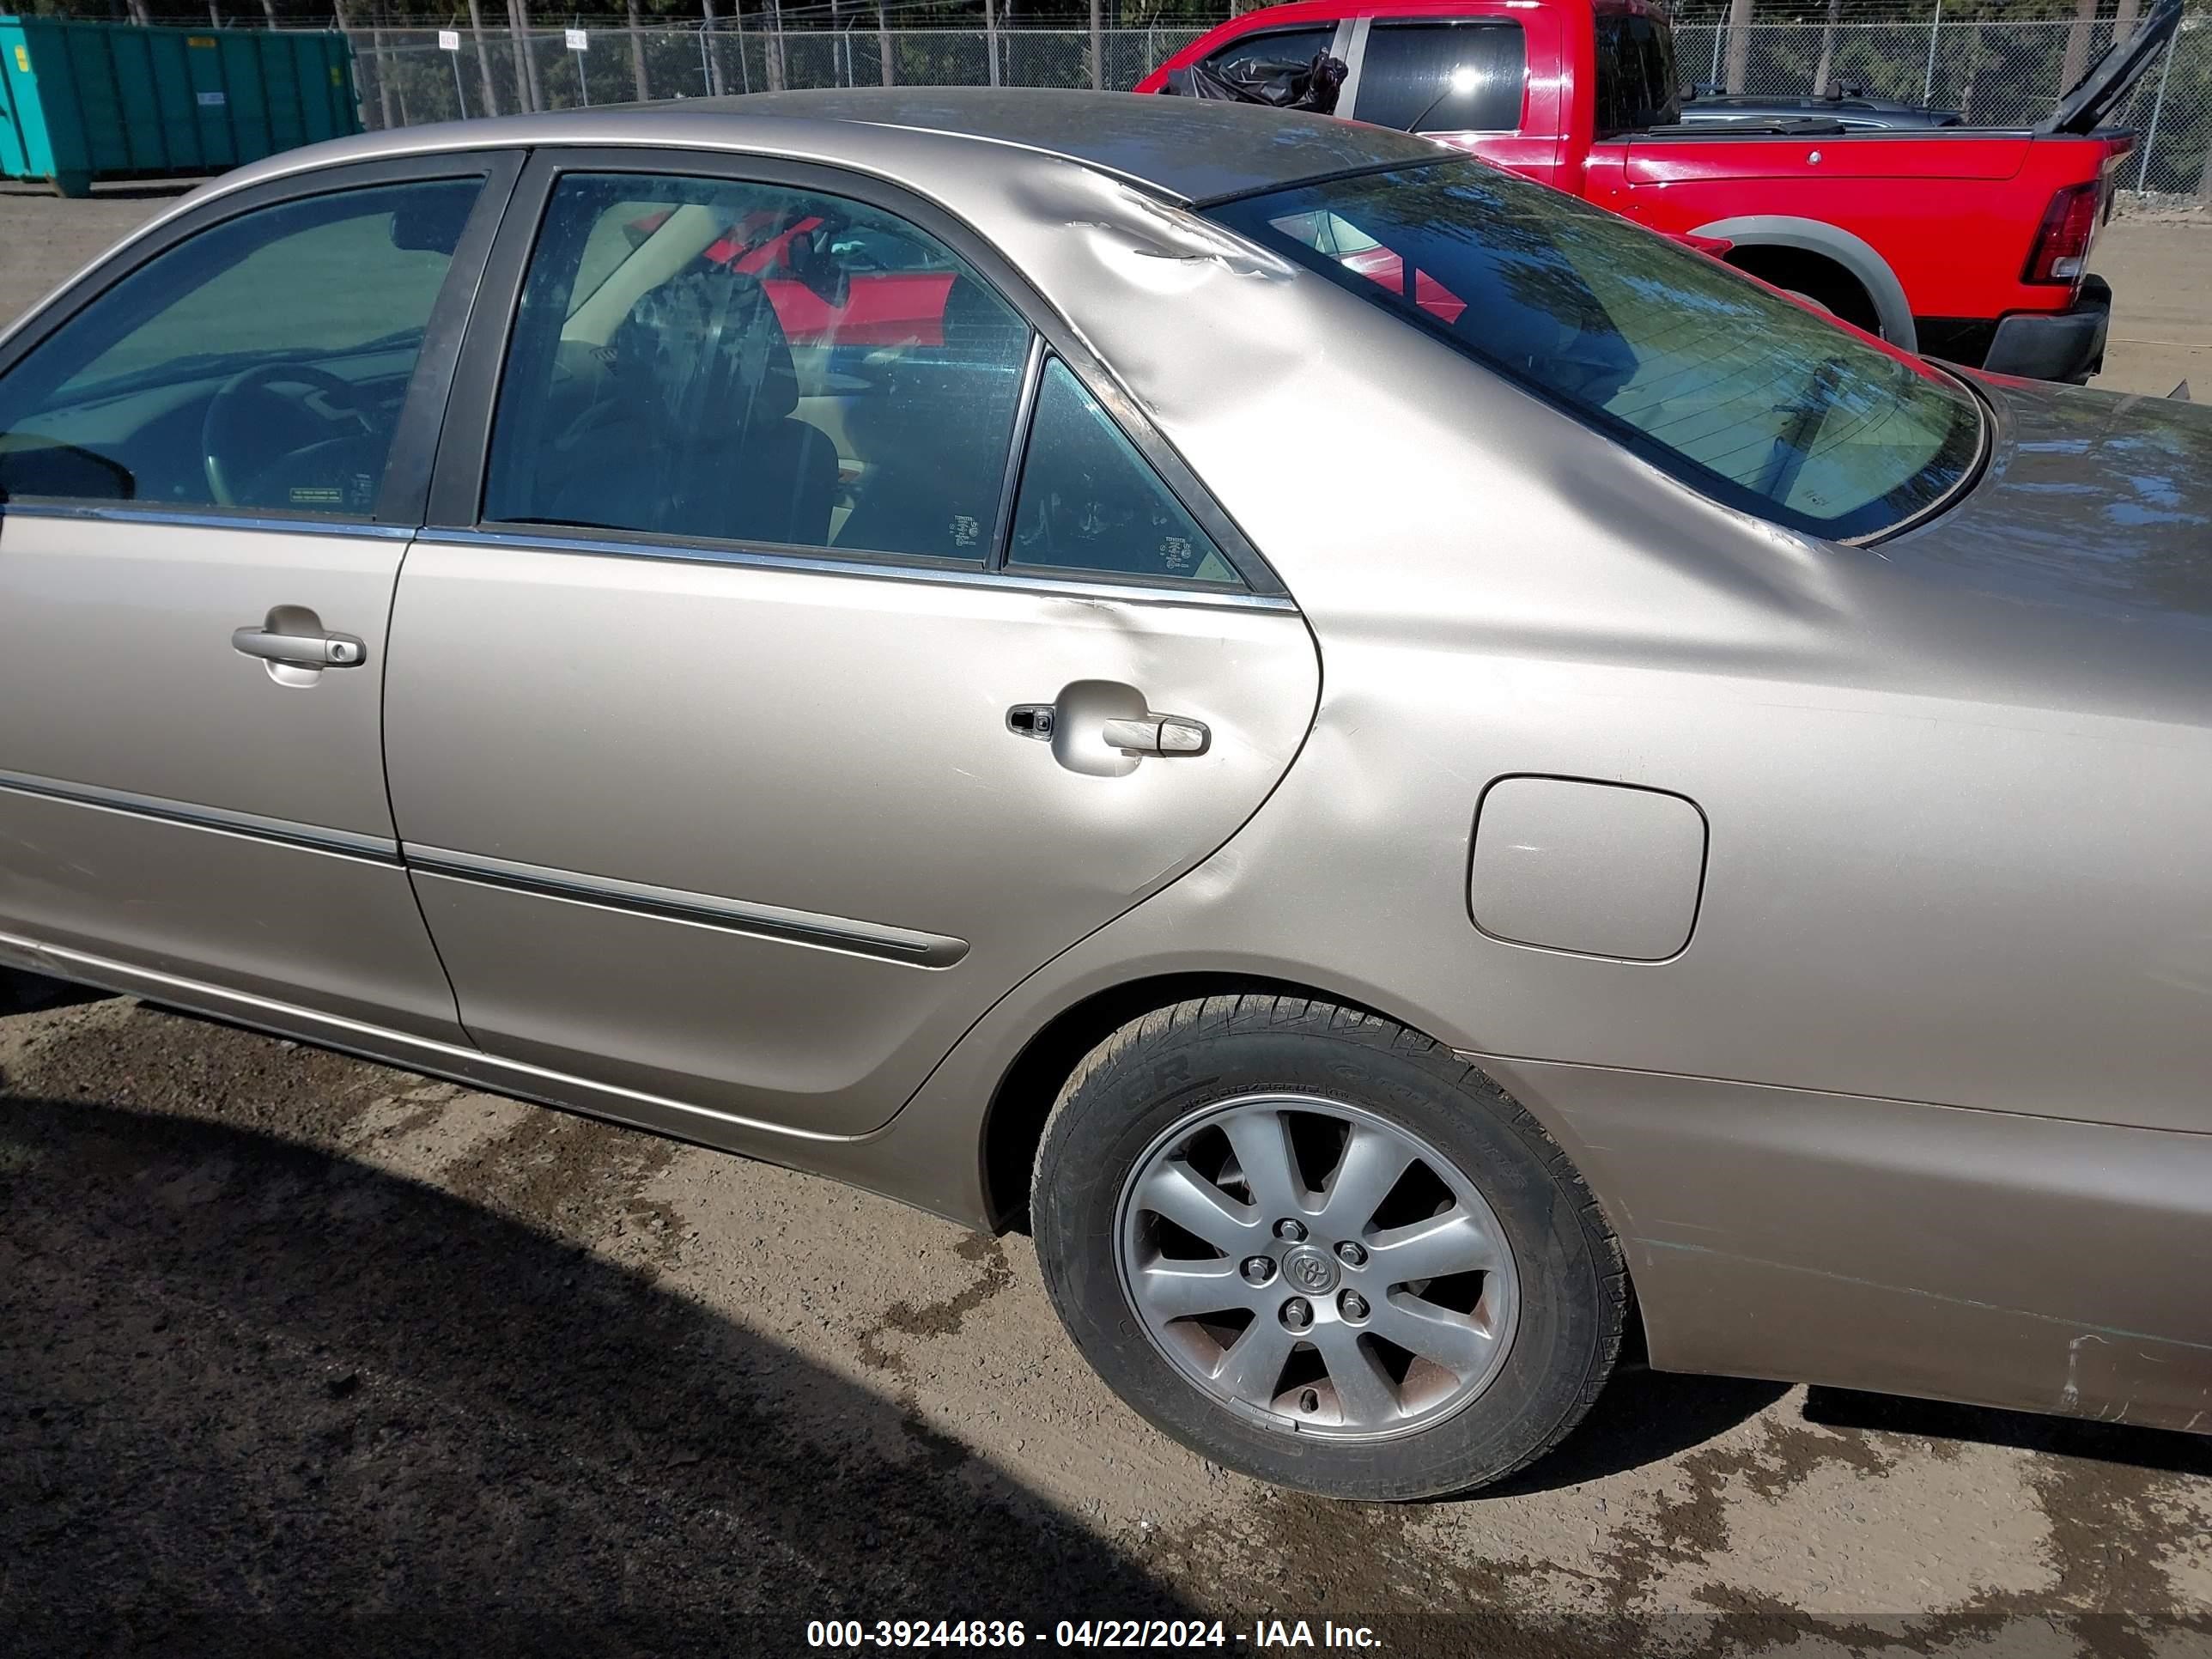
[[300, 650], [1158, 734]]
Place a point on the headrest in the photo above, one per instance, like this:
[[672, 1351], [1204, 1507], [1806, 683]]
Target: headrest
[[973, 315], [713, 346]]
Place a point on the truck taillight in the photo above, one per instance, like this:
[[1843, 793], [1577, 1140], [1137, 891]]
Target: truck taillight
[[2061, 252]]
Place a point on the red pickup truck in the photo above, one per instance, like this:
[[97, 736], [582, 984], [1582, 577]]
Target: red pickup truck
[[1964, 243]]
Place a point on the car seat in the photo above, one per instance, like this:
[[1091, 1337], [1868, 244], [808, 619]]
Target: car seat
[[695, 434]]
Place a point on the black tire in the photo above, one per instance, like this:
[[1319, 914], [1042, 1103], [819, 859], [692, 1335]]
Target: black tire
[[1153, 1073]]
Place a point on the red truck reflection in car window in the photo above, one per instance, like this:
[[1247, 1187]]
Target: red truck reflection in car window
[[881, 307], [1379, 264]]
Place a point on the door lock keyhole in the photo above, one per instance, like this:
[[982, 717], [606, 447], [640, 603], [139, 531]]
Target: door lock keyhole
[[1032, 719]]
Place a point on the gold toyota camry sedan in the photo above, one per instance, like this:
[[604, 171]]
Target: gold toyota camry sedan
[[1415, 778]]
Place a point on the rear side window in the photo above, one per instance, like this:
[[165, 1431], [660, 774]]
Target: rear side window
[[1463, 76], [720, 359], [261, 363], [1089, 501], [1638, 83]]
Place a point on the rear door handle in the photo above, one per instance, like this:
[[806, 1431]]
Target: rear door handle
[[300, 650], [1158, 734]]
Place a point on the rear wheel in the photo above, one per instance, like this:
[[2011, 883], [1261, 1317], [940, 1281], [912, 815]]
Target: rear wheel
[[1318, 1247]]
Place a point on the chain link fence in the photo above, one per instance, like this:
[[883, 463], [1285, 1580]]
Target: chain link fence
[[406, 77], [1997, 73]]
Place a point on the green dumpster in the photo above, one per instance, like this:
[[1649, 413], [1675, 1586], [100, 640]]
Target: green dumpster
[[80, 100]]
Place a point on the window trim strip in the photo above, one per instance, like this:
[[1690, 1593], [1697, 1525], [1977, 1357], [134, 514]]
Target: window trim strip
[[184, 518], [1017, 448], [808, 563]]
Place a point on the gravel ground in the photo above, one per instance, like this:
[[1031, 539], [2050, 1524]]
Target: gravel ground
[[299, 1354]]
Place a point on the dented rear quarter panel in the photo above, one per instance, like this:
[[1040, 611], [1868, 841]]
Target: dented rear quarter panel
[[1956, 924]]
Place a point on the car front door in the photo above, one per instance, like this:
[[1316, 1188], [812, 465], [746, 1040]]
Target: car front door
[[753, 725], [214, 454]]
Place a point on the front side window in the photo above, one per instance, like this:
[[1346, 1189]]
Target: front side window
[[728, 361], [1443, 77], [1089, 501], [1741, 393], [261, 363]]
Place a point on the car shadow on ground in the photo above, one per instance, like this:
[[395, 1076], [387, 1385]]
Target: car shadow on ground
[[2057, 1437], [1644, 1417], [255, 1397]]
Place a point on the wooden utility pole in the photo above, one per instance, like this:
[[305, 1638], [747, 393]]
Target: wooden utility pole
[[883, 36], [526, 72], [1739, 42], [714, 58], [637, 55], [1828, 48], [383, 79], [2123, 21], [991, 37], [1097, 51], [2077, 44], [484, 58]]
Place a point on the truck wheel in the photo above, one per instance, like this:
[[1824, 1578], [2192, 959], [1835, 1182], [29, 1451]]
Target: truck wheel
[[1808, 276], [1318, 1247]]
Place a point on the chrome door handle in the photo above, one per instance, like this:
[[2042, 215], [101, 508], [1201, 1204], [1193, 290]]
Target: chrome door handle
[[1105, 728], [300, 650], [1158, 734]]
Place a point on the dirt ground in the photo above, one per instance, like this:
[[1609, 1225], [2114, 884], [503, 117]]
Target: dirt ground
[[299, 1354]]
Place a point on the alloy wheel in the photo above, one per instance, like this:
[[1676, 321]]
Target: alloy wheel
[[1311, 1263]]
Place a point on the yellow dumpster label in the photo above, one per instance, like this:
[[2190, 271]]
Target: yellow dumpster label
[[23, 59], [337, 75], [205, 40]]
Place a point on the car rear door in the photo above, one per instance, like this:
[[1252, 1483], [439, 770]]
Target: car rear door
[[743, 792], [214, 453]]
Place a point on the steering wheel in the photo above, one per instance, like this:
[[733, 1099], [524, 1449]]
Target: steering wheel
[[221, 427]]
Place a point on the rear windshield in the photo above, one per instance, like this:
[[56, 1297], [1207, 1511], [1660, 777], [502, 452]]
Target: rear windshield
[[1742, 393]]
